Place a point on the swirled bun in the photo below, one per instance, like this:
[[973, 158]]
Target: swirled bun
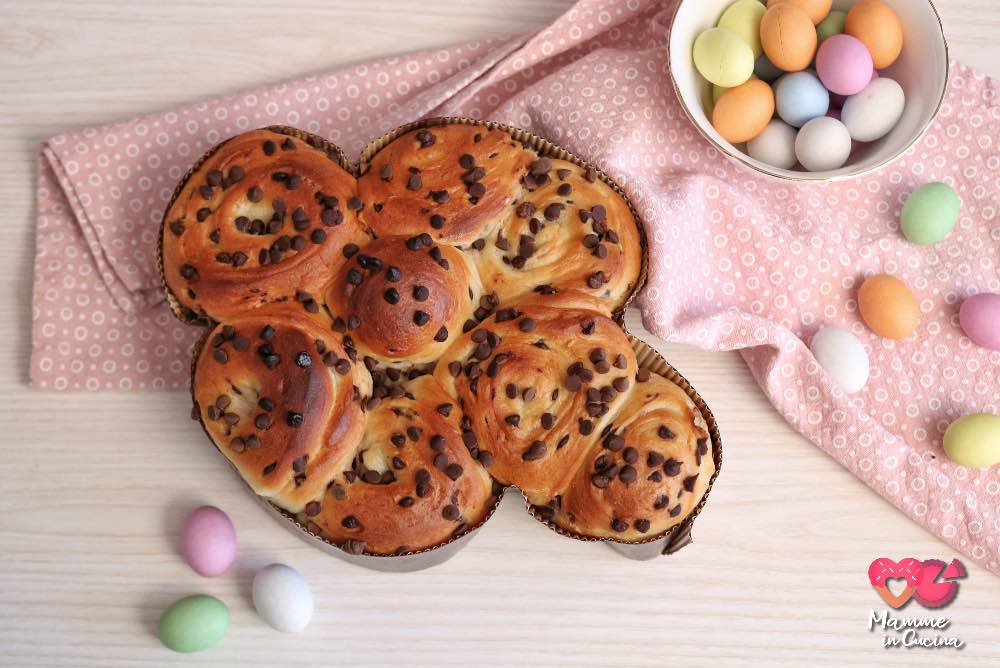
[[412, 482], [538, 384], [452, 182], [567, 231], [282, 400], [264, 216], [650, 469], [404, 298]]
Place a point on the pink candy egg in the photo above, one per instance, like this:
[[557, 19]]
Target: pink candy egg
[[844, 65], [980, 319], [208, 541]]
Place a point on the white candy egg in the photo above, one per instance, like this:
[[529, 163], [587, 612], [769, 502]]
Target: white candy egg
[[282, 598], [874, 112], [775, 146], [842, 356], [822, 144]]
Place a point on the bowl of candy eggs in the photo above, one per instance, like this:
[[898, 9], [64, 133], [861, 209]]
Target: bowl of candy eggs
[[810, 90]]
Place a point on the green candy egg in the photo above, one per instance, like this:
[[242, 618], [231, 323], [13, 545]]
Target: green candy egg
[[930, 214], [974, 440], [832, 25], [194, 623]]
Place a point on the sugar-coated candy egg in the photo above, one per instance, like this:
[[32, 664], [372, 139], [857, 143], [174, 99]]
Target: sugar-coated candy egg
[[832, 25], [282, 598], [194, 623], [722, 57], [775, 146], [979, 317], [974, 440], [800, 97], [930, 214], [743, 111], [765, 70], [875, 111], [842, 356], [743, 18], [815, 9], [208, 541], [822, 144], [788, 37], [844, 65], [877, 26], [888, 307]]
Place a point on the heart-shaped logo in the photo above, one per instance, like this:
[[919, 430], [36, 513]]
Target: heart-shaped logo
[[883, 569]]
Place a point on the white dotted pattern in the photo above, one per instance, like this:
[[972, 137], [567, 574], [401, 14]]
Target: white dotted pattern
[[739, 260]]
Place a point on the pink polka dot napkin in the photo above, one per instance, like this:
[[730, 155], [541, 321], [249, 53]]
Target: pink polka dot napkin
[[740, 261]]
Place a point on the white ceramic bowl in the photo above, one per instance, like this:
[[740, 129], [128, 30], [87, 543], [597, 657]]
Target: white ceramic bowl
[[922, 71]]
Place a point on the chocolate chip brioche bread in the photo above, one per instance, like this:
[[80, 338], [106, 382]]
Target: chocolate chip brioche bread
[[389, 351]]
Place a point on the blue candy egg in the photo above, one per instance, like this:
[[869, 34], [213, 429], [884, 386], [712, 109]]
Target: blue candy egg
[[800, 97]]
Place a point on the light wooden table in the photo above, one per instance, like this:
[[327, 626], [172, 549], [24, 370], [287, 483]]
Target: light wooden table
[[93, 487]]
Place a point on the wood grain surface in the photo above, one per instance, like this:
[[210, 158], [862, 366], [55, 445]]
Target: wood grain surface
[[93, 487]]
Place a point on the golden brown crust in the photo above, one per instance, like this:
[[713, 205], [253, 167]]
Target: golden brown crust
[[499, 267], [537, 383], [567, 231], [282, 401], [466, 175], [236, 238], [646, 474], [403, 299], [413, 484]]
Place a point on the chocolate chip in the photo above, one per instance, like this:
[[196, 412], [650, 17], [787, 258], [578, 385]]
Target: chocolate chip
[[269, 469], [350, 522], [236, 174], [293, 419], [525, 210], [614, 443], [565, 189], [641, 525], [627, 474], [426, 138], [354, 277], [600, 480], [414, 182], [689, 482], [540, 166], [267, 333], [513, 420], [671, 467], [553, 211], [451, 512], [548, 419], [654, 459], [269, 147], [177, 227], [630, 455], [665, 433], [318, 236], [453, 471], [642, 375], [442, 334], [437, 221], [466, 161], [440, 196], [486, 458], [619, 525], [420, 318], [469, 439], [528, 394], [391, 295], [407, 501], [220, 356], [477, 190], [534, 452], [526, 325]]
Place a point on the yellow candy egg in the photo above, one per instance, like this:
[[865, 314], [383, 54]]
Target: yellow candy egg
[[974, 440], [816, 9], [722, 57], [743, 112], [877, 26], [743, 18], [888, 307], [788, 37]]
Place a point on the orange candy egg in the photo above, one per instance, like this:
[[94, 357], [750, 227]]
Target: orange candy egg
[[744, 111], [877, 26], [888, 307], [816, 9], [788, 37]]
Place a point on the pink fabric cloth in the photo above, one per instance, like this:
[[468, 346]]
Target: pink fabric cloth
[[739, 260]]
